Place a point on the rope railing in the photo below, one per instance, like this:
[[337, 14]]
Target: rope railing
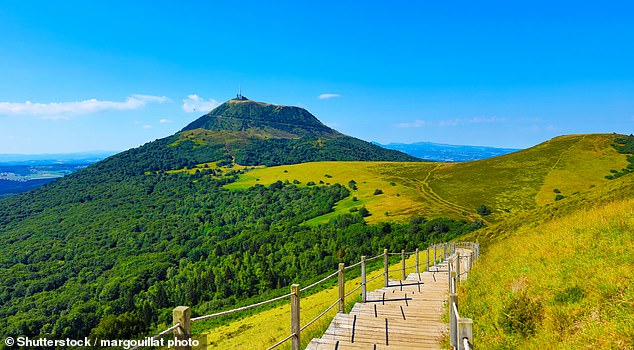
[[202, 318], [320, 315], [353, 290], [320, 281], [460, 329], [374, 257], [182, 325], [281, 342], [353, 265], [160, 334]]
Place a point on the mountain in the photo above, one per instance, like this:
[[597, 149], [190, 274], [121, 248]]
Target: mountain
[[447, 153], [263, 120], [250, 133]]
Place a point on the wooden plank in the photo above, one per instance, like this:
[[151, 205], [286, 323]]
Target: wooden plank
[[422, 327]]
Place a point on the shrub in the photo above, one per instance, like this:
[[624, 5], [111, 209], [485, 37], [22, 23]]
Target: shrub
[[559, 197], [483, 210], [377, 192], [364, 212], [521, 314], [556, 190]]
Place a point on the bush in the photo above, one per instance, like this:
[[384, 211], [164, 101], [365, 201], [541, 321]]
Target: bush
[[559, 197], [364, 212], [556, 190], [521, 314], [377, 192], [483, 210]]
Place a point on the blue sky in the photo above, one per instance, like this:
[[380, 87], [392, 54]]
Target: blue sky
[[110, 75]]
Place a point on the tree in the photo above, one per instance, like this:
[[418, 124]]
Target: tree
[[483, 210]]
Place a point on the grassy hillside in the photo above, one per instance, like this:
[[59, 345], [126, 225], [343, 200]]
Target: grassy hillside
[[510, 184], [526, 179], [400, 199]]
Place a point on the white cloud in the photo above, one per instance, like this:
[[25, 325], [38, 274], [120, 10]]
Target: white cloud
[[327, 96], [194, 103], [415, 124], [147, 126], [451, 122], [63, 110], [164, 121]]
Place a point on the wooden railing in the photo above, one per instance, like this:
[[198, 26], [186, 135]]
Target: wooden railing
[[182, 315], [460, 329]]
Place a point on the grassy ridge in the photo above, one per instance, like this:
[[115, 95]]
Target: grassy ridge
[[566, 267], [508, 184]]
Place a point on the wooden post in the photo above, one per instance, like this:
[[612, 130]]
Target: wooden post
[[182, 334], [449, 269], [435, 258], [470, 261], [295, 326], [465, 330], [427, 269], [385, 268], [342, 287], [458, 268], [417, 269], [364, 289], [402, 264], [453, 322]]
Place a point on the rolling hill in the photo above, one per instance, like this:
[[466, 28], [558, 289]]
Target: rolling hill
[[509, 184]]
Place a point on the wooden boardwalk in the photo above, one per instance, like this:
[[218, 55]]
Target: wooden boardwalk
[[405, 315]]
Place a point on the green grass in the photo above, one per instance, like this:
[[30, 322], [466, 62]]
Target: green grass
[[523, 180], [508, 184], [399, 201], [568, 275]]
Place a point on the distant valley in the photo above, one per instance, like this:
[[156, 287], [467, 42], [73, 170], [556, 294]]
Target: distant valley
[[23, 172], [439, 152]]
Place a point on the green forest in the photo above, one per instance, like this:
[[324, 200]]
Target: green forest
[[109, 252]]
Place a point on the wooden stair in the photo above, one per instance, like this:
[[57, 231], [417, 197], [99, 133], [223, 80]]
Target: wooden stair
[[405, 315]]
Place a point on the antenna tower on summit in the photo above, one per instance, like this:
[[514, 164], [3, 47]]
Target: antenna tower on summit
[[240, 96]]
